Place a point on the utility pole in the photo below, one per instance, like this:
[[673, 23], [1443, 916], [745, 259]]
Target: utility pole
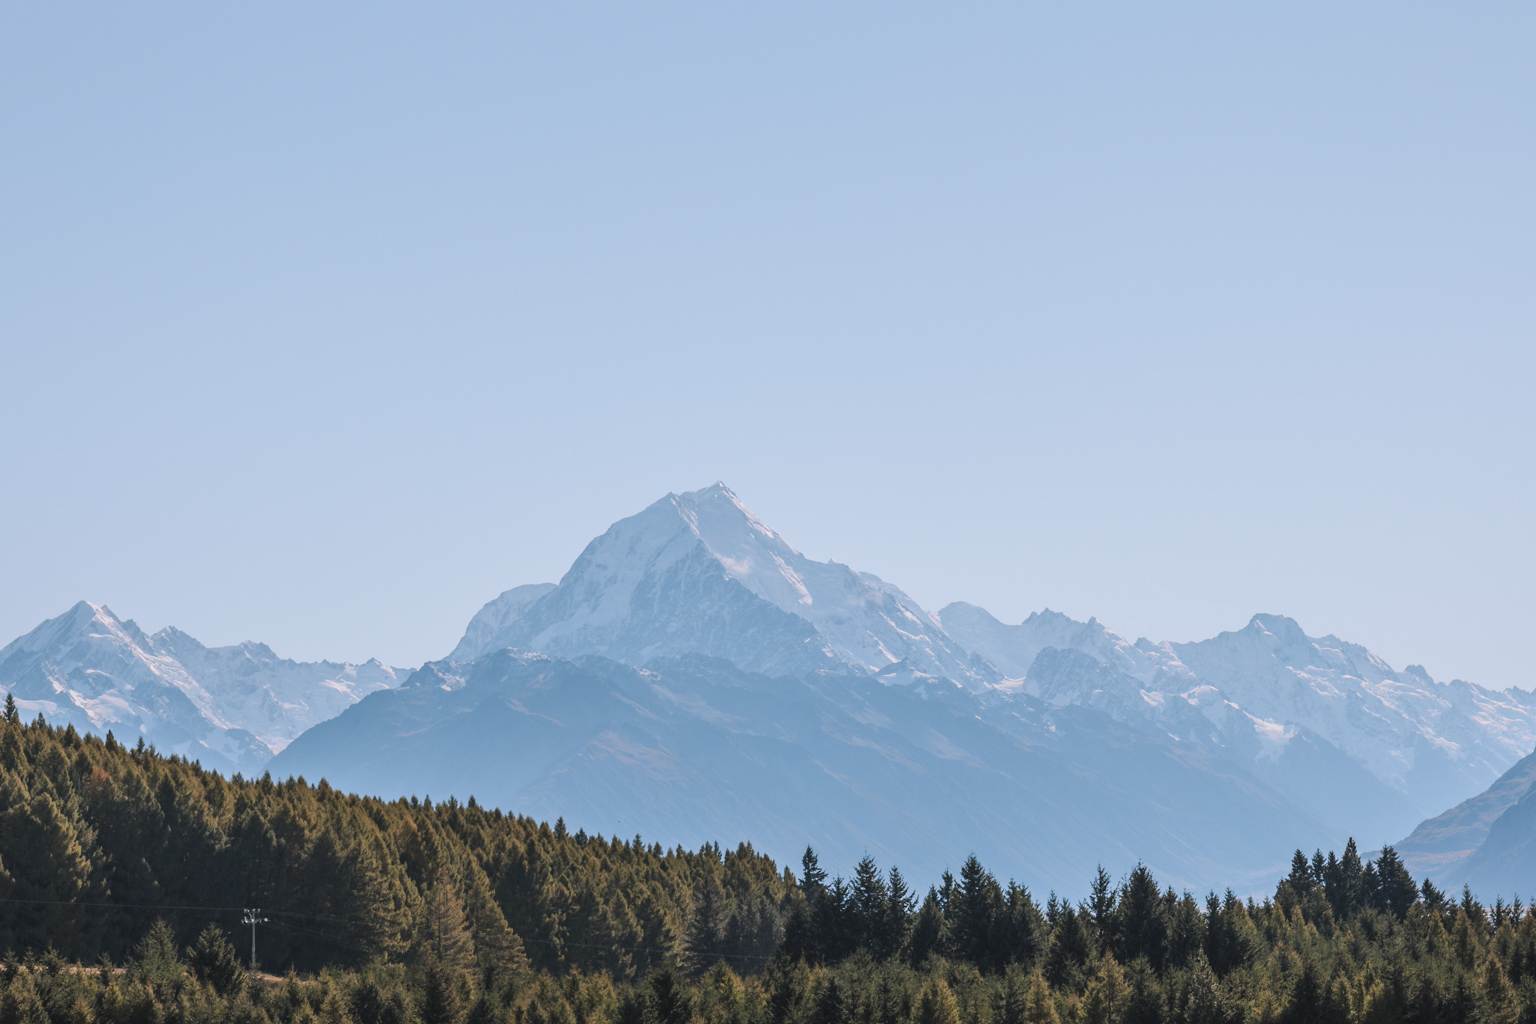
[[253, 917]]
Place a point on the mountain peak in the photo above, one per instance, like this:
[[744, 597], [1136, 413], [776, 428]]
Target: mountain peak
[[84, 612], [1281, 627], [81, 619], [721, 520], [697, 572], [1049, 615], [716, 490]]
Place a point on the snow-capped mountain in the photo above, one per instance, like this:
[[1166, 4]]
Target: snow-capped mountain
[[229, 707], [1396, 745], [273, 697], [1436, 739], [496, 619], [693, 676], [697, 573], [1013, 649]]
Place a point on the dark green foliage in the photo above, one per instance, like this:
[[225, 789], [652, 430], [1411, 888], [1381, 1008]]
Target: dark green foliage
[[415, 913], [214, 960], [344, 880]]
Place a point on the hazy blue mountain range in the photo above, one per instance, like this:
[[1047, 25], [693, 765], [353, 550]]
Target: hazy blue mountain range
[[698, 594], [693, 676], [1294, 703], [693, 748]]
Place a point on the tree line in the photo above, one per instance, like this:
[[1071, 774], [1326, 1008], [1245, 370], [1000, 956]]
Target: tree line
[[123, 874]]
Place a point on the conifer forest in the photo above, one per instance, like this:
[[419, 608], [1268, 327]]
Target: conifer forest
[[131, 886]]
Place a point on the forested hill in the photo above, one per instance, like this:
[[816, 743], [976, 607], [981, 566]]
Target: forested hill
[[412, 911]]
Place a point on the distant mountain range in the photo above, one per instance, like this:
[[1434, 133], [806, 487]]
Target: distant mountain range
[[1283, 700], [708, 602], [693, 676], [231, 708], [694, 749]]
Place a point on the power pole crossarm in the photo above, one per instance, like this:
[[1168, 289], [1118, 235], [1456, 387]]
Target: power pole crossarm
[[253, 917]]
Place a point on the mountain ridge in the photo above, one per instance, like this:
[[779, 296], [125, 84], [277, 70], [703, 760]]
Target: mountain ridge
[[1320, 731], [231, 707]]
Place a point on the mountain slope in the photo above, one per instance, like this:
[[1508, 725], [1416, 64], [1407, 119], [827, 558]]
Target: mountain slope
[[695, 749], [228, 707], [1505, 863], [496, 619], [1444, 846], [697, 573]]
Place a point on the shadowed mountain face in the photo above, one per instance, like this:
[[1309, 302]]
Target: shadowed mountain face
[[1488, 842], [1506, 862], [227, 707], [695, 749]]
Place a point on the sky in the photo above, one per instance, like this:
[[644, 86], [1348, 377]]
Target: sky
[[323, 324]]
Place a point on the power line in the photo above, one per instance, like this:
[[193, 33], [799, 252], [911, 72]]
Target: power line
[[347, 940], [188, 908]]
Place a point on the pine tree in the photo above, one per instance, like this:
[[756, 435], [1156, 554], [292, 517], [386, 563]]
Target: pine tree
[[1101, 905], [812, 878], [444, 994], [1313, 1002], [1141, 922], [20, 1002], [896, 927], [1346, 889], [831, 1006], [937, 1004], [498, 949], [1497, 1001], [12, 714], [375, 905], [869, 902], [1297, 887], [708, 923], [1432, 896], [1021, 928], [669, 1000], [928, 931], [1039, 1002], [834, 921], [1070, 949], [443, 938], [977, 908], [1105, 999], [1145, 1003], [1010, 1008], [157, 959], [1201, 1000], [214, 960], [1395, 887]]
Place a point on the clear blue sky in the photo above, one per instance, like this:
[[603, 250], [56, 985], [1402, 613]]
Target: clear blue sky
[[322, 327]]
